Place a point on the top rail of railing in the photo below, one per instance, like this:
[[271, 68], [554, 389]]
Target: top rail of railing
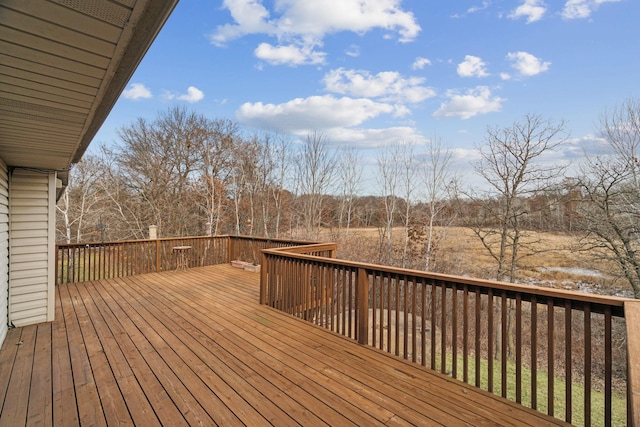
[[303, 252]]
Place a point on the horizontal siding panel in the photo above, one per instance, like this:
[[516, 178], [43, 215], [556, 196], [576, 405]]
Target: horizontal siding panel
[[27, 281], [35, 241], [29, 305], [28, 236], [27, 203], [26, 249], [29, 317], [16, 275], [28, 294], [27, 198], [29, 187], [31, 265], [36, 225], [30, 209], [27, 182]]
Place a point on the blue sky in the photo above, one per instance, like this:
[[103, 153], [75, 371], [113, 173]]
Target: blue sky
[[376, 72]]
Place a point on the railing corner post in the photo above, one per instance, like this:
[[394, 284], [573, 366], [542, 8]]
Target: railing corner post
[[263, 279], [362, 302]]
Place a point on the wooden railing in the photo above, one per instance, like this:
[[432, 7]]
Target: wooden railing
[[563, 353], [92, 261]]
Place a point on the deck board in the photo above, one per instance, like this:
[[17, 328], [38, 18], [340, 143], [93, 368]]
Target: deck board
[[196, 348]]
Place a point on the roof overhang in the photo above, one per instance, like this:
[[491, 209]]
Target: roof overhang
[[63, 65]]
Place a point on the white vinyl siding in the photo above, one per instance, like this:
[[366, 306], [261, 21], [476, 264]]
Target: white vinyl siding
[[31, 268], [4, 251]]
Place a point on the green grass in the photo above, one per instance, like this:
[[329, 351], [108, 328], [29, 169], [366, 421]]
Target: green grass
[[619, 402]]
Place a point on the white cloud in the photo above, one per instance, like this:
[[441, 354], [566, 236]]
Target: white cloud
[[250, 17], [193, 95], [473, 102], [315, 112], [304, 23], [576, 9], [587, 145], [533, 10], [505, 76], [373, 137], [472, 66], [353, 51], [389, 86], [526, 64], [474, 9], [290, 55], [420, 63], [137, 91]]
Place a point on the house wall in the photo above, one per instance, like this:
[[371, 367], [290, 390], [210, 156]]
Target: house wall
[[4, 251], [31, 246]]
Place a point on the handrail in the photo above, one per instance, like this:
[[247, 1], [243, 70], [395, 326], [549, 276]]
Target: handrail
[[493, 335], [77, 262], [617, 303]]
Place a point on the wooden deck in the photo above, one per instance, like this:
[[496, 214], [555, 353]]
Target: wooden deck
[[196, 348]]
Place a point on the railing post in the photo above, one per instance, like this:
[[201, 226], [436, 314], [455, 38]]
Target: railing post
[[57, 266], [230, 249], [157, 256], [632, 317], [362, 281], [263, 279]]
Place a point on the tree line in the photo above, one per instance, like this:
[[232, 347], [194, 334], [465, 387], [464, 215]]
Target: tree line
[[192, 175]]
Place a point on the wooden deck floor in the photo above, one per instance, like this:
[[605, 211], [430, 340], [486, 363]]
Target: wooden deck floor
[[196, 348]]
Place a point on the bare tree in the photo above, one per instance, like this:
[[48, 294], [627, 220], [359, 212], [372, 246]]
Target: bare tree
[[219, 138], [610, 210], [407, 169], [315, 172], [437, 179], [81, 205], [241, 170], [389, 165], [511, 169], [126, 218], [280, 158], [349, 177], [159, 160]]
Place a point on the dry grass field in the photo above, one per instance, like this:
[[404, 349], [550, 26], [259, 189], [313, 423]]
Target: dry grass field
[[553, 259]]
